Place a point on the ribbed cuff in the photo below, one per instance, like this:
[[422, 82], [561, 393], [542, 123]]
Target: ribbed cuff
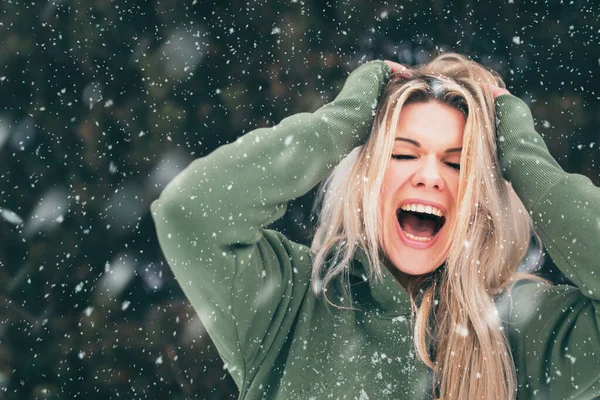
[[350, 116]]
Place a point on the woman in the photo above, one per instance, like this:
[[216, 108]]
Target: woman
[[413, 292]]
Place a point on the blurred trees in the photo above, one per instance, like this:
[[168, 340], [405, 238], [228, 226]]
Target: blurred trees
[[102, 102]]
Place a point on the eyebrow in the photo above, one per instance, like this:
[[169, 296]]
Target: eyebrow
[[415, 143]]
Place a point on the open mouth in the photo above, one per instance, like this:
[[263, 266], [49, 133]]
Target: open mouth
[[420, 223]]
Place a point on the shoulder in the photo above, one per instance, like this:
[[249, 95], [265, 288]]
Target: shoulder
[[282, 244], [528, 301], [289, 255]]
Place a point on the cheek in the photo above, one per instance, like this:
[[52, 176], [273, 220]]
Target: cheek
[[453, 183], [392, 180], [452, 196], [391, 191]]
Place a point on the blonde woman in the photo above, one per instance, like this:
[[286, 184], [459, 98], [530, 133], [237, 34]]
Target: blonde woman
[[410, 289]]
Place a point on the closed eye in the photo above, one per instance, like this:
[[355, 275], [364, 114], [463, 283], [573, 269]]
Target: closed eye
[[408, 157], [403, 157], [453, 165]]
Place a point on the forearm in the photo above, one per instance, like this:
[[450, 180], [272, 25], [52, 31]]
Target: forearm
[[245, 185], [565, 207], [524, 158]]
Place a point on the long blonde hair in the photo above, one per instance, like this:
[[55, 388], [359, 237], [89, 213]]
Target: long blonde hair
[[460, 338]]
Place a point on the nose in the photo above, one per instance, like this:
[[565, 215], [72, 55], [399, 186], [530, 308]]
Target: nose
[[428, 175]]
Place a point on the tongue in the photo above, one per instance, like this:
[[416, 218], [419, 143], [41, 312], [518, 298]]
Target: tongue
[[418, 226]]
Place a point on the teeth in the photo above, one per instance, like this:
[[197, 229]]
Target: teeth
[[422, 209], [417, 238]]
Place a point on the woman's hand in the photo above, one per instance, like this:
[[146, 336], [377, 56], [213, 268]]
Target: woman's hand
[[399, 68], [497, 91]]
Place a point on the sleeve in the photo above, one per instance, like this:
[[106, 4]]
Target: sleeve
[[554, 331], [243, 280]]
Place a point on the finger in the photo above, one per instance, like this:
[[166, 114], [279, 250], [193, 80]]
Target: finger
[[399, 69], [395, 67], [497, 91]]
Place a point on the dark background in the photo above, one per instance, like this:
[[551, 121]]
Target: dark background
[[102, 102]]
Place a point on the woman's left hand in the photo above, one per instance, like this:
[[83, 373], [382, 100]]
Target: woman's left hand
[[497, 91]]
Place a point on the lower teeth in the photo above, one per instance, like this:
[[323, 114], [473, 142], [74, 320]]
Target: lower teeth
[[417, 238]]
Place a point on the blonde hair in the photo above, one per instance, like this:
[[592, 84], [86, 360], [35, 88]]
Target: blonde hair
[[471, 357]]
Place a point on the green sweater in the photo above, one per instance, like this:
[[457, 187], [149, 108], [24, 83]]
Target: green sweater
[[250, 285]]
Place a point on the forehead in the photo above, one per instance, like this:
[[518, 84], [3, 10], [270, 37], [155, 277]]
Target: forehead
[[432, 124]]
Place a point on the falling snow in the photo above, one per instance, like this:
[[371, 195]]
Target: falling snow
[[110, 108]]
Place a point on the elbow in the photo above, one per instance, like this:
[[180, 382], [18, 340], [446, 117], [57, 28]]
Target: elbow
[[165, 211]]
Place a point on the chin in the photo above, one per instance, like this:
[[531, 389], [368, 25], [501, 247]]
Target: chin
[[413, 257], [415, 267]]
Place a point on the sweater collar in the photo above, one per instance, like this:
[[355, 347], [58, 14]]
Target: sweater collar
[[386, 296]]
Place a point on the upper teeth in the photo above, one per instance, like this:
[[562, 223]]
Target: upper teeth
[[422, 209]]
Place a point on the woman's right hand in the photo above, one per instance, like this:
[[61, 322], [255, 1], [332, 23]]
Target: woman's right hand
[[398, 68]]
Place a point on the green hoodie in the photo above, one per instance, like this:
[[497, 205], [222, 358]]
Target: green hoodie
[[251, 285]]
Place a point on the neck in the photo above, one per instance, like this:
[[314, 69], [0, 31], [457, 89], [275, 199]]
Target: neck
[[402, 278]]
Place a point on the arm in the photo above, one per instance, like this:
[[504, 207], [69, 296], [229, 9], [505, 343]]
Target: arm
[[554, 332], [241, 278]]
